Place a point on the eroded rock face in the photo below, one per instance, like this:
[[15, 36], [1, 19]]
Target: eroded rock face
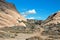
[[9, 15], [53, 19], [52, 27]]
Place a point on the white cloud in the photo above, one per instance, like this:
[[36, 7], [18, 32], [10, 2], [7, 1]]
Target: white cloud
[[31, 18], [33, 11], [59, 11], [39, 17], [24, 15]]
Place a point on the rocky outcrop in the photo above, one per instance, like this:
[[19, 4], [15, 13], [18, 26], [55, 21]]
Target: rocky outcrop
[[9, 16], [52, 27], [53, 19]]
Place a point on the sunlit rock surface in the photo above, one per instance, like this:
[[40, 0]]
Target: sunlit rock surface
[[9, 16]]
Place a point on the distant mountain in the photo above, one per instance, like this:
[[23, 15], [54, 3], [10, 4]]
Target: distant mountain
[[9, 16], [34, 21]]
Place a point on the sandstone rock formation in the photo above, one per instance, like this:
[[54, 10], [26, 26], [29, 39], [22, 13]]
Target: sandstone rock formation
[[53, 19], [52, 27], [9, 16]]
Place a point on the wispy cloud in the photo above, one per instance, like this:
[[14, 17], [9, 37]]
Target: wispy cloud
[[33, 18], [30, 12], [24, 15], [39, 17], [33, 11], [30, 18]]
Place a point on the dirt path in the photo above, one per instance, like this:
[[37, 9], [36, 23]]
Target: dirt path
[[23, 36]]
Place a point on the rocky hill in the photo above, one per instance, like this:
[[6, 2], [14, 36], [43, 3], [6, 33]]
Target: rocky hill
[[53, 19], [52, 27], [9, 16]]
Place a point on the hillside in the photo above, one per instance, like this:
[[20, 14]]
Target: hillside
[[9, 16], [53, 19]]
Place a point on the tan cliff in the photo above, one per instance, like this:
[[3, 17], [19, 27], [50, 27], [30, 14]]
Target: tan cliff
[[9, 16]]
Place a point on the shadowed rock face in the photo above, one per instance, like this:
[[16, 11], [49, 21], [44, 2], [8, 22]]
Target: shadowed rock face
[[9, 15]]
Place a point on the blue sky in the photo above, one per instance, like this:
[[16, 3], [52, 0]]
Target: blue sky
[[36, 9]]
